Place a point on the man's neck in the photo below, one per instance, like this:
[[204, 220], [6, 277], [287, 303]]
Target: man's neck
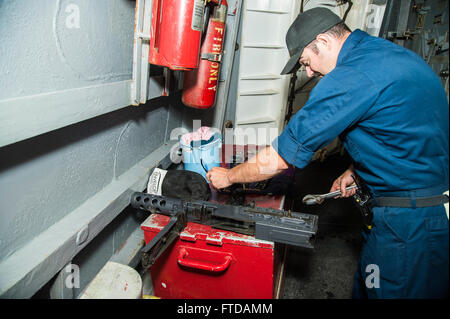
[[340, 44], [343, 39]]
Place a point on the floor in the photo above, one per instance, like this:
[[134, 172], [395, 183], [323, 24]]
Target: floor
[[327, 271]]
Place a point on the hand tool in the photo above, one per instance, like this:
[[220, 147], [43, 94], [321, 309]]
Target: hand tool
[[313, 199]]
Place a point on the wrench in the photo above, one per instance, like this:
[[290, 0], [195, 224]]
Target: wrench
[[313, 199]]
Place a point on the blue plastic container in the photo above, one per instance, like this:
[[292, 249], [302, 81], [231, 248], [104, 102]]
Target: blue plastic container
[[201, 156]]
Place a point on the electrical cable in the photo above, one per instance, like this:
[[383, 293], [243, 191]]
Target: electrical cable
[[350, 4]]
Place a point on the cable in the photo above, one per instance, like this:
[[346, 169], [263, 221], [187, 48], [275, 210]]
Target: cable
[[350, 4]]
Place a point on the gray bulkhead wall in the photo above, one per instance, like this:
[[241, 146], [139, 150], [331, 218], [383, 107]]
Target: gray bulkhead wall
[[43, 179], [426, 24]]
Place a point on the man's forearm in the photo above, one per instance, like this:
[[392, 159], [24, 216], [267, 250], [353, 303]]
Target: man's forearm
[[264, 165]]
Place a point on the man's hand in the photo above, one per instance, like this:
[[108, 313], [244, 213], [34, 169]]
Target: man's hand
[[344, 181], [218, 176], [264, 165]]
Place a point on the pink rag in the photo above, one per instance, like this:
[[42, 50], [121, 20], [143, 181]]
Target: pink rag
[[203, 133]]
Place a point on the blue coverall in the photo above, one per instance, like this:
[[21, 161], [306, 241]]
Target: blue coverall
[[391, 112]]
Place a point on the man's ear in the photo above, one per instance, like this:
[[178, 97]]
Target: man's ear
[[324, 40]]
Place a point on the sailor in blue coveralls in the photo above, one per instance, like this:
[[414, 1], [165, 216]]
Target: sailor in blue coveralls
[[391, 112]]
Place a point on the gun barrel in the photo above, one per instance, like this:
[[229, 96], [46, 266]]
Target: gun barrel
[[156, 204]]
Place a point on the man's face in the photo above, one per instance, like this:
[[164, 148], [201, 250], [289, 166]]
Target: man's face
[[312, 63], [319, 57]]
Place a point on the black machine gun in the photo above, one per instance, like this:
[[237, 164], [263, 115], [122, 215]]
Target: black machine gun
[[278, 226]]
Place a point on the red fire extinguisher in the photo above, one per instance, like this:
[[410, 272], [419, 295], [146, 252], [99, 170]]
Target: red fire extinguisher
[[200, 85], [176, 33]]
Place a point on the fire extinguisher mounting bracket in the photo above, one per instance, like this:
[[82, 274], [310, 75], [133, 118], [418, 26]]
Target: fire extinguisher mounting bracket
[[214, 57]]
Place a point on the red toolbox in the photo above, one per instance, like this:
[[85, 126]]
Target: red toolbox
[[207, 263]]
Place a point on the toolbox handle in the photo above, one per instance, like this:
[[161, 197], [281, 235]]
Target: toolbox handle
[[197, 264]]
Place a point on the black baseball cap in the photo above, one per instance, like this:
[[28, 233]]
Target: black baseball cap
[[304, 30]]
